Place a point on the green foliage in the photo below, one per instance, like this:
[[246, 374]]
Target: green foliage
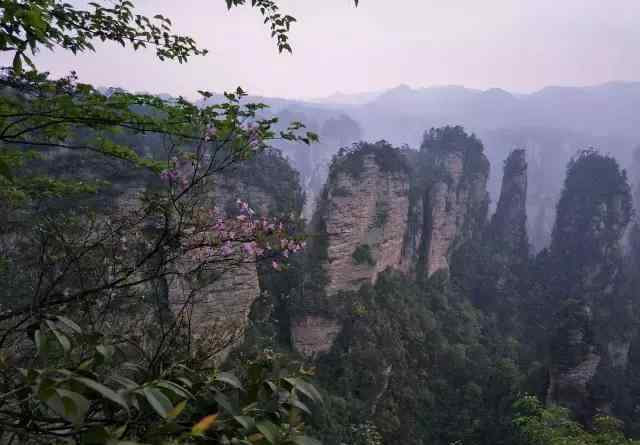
[[587, 203], [416, 364], [363, 255], [439, 142], [109, 377], [351, 160], [537, 425], [30, 25], [270, 174], [79, 387]]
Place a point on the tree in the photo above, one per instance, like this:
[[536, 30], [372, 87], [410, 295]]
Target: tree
[[85, 357]]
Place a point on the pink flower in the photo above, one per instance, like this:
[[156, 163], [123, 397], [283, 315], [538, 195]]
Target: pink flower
[[226, 249], [275, 265], [168, 175], [249, 248]]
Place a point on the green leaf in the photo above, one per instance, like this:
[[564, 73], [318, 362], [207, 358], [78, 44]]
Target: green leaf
[[301, 406], [224, 402], [70, 324], [62, 339], [305, 388], [75, 406], [247, 422], [176, 389], [229, 379], [269, 430], [305, 440], [125, 382], [105, 351], [95, 436], [158, 401], [37, 338], [119, 432], [104, 391]]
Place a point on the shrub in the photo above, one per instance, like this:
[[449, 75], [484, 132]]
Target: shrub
[[363, 255]]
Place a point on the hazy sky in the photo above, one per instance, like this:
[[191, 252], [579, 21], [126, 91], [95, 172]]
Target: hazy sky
[[518, 45]]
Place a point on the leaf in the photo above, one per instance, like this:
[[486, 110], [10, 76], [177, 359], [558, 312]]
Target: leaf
[[94, 436], [125, 382], [104, 351], [203, 425], [75, 406], [53, 401], [224, 402], [229, 379], [104, 391], [177, 410], [37, 337], [158, 401], [269, 430], [119, 432], [70, 324], [247, 422], [301, 406], [305, 388], [305, 440], [62, 339], [176, 389]]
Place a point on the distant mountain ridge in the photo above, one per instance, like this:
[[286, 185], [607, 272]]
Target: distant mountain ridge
[[551, 124]]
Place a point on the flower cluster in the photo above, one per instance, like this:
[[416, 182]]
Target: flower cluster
[[244, 237], [254, 139], [181, 171]]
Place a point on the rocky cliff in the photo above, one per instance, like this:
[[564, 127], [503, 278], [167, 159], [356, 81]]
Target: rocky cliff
[[389, 208], [359, 228], [509, 223], [455, 198], [219, 297], [585, 267], [365, 219]]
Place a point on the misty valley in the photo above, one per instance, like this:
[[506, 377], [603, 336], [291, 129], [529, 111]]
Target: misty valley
[[441, 265]]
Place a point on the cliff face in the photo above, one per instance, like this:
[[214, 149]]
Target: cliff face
[[217, 299], [456, 200], [377, 214], [509, 223], [366, 219], [362, 218], [586, 266]]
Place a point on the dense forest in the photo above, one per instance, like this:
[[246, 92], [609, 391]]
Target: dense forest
[[179, 272]]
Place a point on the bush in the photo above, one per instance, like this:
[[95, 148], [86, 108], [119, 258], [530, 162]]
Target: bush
[[363, 255]]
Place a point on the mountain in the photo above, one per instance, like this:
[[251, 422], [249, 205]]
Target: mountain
[[552, 124]]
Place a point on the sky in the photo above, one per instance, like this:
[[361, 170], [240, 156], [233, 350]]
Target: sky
[[518, 45]]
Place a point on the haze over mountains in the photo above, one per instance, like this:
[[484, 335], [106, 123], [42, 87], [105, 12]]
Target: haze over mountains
[[552, 124]]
